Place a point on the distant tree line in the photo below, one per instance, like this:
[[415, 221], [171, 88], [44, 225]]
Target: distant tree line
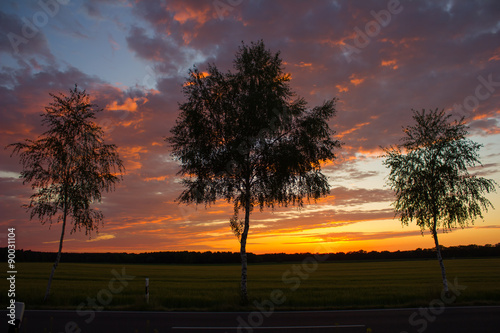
[[208, 257]]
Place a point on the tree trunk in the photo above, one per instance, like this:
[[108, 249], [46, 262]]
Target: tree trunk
[[58, 258], [243, 253], [440, 258]]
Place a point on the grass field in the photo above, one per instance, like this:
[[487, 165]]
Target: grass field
[[339, 285]]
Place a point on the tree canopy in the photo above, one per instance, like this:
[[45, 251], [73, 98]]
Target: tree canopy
[[243, 126], [431, 176]]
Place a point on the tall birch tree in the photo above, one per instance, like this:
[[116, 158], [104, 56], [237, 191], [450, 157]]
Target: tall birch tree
[[429, 174], [68, 166], [245, 137]]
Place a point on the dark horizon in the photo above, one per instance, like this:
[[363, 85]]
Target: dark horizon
[[451, 252]]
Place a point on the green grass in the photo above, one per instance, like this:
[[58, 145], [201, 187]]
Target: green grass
[[339, 285]]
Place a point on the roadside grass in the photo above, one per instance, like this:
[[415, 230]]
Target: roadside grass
[[332, 285]]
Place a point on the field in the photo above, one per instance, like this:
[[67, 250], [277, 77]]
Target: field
[[309, 285]]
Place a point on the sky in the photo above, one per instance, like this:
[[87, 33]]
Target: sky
[[381, 59]]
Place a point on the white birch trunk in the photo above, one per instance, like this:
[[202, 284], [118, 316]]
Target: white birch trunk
[[58, 258], [440, 259], [243, 253]]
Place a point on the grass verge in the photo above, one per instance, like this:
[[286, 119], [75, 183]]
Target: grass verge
[[290, 286]]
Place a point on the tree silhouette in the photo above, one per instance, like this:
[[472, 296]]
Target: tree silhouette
[[428, 172], [68, 166], [241, 137]]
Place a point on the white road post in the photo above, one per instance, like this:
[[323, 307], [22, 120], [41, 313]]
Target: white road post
[[147, 290], [19, 308]]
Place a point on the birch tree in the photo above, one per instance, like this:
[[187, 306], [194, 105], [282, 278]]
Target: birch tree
[[68, 167], [430, 177], [247, 138]]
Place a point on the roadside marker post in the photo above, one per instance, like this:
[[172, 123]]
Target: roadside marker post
[[19, 308], [147, 290]]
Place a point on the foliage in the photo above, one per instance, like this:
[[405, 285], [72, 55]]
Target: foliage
[[240, 134], [429, 173], [69, 165]]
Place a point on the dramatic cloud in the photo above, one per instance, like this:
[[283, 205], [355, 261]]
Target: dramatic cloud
[[20, 37], [380, 59]]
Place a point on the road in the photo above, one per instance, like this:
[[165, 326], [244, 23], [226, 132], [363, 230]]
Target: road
[[439, 320]]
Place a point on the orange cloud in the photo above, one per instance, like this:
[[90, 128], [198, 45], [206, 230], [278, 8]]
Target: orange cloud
[[338, 42], [131, 157], [304, 64], [496, 55], [184, 13], [390, 63], [129, 105], [355, 128], [479, 116], [370, 152], [355, 80], [159, 178], [342, 88]]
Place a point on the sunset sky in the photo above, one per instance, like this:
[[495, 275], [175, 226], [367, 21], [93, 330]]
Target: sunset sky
[[380, 58]]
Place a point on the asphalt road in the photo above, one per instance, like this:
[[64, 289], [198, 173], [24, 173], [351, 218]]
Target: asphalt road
[[429, 320]]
